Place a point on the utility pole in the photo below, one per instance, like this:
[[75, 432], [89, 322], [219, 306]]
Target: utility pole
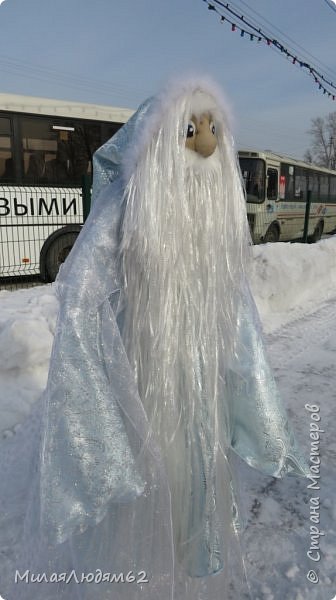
[[331, 153]]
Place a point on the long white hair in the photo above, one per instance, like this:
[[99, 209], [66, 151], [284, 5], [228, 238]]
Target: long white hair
[[184, 249]]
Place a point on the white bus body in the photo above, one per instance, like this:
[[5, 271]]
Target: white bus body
[[33, 219], [46, 147], [276, 195]]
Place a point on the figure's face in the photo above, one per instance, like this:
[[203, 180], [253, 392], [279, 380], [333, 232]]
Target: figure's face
[[201, 135]]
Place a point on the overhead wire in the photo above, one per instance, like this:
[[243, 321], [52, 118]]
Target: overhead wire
[[41, 73], [331, 5], [241, 23], [284, 35]]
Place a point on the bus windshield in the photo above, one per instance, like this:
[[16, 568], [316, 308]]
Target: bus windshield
[[253, 172]]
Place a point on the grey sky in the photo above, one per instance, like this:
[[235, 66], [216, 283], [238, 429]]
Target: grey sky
[[120, 52]]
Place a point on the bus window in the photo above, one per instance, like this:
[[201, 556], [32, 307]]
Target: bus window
[[39, 147], [313, 186], [287, 173], [300, 183], [332, 196], [6, 154], [108, 130], [324, 188], [253, 172], [58, 152], [82, 143], [272, 184]]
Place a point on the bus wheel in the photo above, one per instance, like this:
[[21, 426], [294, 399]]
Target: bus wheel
[[57, 253], [272, 234], [317, 233]]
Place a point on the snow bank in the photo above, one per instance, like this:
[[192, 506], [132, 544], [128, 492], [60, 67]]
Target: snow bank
[[27, 325], [288, 281], [291, 280]]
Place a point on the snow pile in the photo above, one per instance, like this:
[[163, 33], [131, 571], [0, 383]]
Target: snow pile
[[289, 280], [27, 324]]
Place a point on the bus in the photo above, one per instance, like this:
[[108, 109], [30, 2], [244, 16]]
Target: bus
[[46, 147], [277, 188]]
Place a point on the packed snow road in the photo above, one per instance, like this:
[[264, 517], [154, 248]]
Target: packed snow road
[[290, 540]]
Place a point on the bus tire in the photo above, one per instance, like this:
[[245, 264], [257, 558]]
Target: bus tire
[[272, 234], [317, 233], [57, 252]]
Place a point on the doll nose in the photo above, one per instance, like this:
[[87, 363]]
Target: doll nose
[[201, 135], [206, 141]]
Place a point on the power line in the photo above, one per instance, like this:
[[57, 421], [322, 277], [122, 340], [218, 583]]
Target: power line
[[256, 33], [284, 35], [42, 73], [331, 5]]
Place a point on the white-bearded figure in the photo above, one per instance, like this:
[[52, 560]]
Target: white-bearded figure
[[158, 370]]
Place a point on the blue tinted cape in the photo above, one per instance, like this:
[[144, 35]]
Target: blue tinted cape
[[98, 495]]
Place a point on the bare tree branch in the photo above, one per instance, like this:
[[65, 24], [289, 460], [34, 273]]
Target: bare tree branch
[[323, 145]]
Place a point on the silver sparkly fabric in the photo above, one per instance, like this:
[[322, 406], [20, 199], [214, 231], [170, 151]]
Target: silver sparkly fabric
[[91, 491]]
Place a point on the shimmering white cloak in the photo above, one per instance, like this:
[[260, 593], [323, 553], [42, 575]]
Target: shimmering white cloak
[[91, 491]]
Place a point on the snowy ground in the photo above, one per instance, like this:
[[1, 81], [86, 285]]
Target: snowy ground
[[295, 289]]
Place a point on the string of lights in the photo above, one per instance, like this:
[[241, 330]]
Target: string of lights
[[243, 25], [291, 44], [331, 5]]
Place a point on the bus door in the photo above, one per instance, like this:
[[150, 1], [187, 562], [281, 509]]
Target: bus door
[[291, 208], [316, 209], [272, 194]]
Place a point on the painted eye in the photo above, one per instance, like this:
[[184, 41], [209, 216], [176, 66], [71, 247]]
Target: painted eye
[[191, 129], [212, 127]]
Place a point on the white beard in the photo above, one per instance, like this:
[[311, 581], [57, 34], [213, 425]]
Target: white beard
[[183, 245], [175, 296]]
